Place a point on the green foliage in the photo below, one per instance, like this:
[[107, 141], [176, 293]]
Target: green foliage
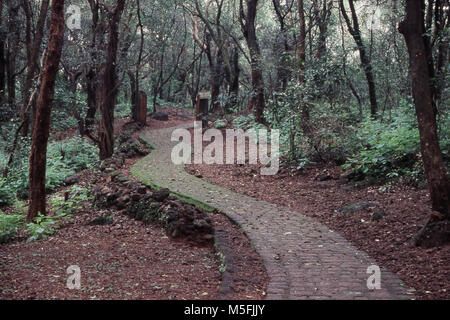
[[387, 151], [9, 225], [64, 159], [6, 193], [42, 226], [220, 124], [123, 109], [76, 196]]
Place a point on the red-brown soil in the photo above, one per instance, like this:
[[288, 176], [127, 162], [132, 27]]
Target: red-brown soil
[[388, 240], [127, 259]]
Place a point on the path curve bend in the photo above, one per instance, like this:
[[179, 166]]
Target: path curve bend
[[304, 259]]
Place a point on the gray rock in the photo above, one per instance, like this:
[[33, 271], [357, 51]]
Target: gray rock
[[161, 116], [136, 197], [377, 216], [72, 180], [102, 221], [357, 207], [142, 190], [161, 195]]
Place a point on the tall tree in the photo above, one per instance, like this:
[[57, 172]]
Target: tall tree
[[13, 47], [353, 28], [2, 56], [413, 30], [38, 155], [32, 63], [247, 20], [108, 91], [301, 60], [283, 71]]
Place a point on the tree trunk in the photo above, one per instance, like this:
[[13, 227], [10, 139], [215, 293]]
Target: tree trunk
[[38, 155], [301, 60], [12, 49], [234, 83], [323, 19], [354, 30], [2, 70], [133, 97], [413, 30], [2, 58], [32, 64], [108, 91], [248, 21], [136, 95], [92, 74]]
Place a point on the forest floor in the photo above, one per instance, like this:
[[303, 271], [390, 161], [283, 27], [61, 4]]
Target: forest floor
[[382, 227], [130, 260], [127, 259]]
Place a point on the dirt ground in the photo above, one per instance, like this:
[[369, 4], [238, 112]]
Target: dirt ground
[[127, 259], [384, 229]]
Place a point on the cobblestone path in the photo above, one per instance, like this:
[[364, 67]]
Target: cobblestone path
[[304, 259]]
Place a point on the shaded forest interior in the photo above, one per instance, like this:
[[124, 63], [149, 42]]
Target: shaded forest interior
[[360, 84]]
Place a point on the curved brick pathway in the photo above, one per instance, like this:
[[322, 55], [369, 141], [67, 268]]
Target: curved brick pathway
[[304, 259]]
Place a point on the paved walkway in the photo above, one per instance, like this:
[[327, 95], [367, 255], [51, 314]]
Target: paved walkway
[[304, 259]]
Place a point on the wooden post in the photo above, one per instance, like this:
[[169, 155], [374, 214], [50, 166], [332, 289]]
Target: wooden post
[[142, 108], [202, 107]]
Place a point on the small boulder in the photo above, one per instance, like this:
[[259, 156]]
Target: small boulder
[[136, 197], [357, 207], [102, 221], [161, 195], [377, 216], [72, 180], [160, 116], [142, 190]]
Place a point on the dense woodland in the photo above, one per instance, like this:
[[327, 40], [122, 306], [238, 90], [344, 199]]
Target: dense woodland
[[363, 84]]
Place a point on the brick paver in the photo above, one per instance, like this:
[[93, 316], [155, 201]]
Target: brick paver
[[304, 259]]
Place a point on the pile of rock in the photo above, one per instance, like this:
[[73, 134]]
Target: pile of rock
[[181, 221]]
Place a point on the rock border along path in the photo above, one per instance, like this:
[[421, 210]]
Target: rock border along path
[[304, 259]]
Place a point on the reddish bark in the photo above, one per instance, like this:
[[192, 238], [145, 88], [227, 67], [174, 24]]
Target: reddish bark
[[32, 63], [248, 21], [108, 90], [38, 155], [412, 28]]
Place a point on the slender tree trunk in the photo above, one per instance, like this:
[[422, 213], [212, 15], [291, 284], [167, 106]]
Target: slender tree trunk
[[92, 75], [12, 49], [38, 155], [32, 64], [234, 85], [2, 70], [353, 28], [282, 62], [301, 60], [135, 96], [413, 31], [108, 91], [2, 57], [248, 21], [323, 18]]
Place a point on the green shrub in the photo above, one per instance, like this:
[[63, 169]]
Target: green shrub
[[9, 225], [387, 151], [63, 160], [6, 193]]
